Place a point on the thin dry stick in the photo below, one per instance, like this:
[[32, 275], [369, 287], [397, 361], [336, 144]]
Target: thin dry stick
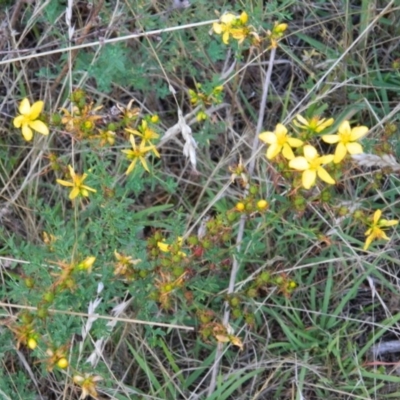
[[107, 317], [235, 264], [108, 41]]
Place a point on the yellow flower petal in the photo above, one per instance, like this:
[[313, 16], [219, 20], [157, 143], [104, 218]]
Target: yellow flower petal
[[323, 175], [308, 178], [293, 142], [217, 28], [280, 130], [324, 124], [383, 235], [310, 152], [273, 150], [144, 163], [40, 127], [385, 222], [155, 151], [89, 189], [299, 164], [225, 37], [24, 107], [368, 242], [74, 193], [71, 171], [287, 152], [228, 18], [132, 140], [377, 216], [340, 153], [64, 183], [326, 159], [36, 109], [358, 132], [301, 119], [267, 137], [344, 128], [27, 133], [354, 148], [330, 138], [18, 121], [131, 167]]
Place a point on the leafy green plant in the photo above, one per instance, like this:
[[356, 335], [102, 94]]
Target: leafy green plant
[[152, 246]]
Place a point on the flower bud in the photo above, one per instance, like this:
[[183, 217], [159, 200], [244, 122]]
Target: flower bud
[[32, 343], [62, 363], [240, 207], [262, 205], [29, 283]]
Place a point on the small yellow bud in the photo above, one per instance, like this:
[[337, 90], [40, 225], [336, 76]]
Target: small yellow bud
[[292, 285], [244, 18], [280, 28], [201, 116], [87, 263], [240, 206], [62, 363], [262, 204], [32, 343], [155, 119]]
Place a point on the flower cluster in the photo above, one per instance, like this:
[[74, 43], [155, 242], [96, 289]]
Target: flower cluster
[[311, 164], [235, 26]]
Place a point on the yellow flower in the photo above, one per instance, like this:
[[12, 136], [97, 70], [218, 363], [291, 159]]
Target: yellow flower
[[106, 137], [146, 134], [88, 384], [376, 230], [346, 140], [56, 356], [138, 153], [128, 112], [311, 165], [279, 142], [78, 188], [314, 124], [232, 25], [28, 119]]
